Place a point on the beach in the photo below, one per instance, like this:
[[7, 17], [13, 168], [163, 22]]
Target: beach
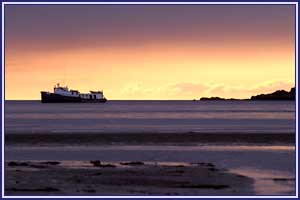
[[146, 154], [241, 168], [125, 178], [150, 99]]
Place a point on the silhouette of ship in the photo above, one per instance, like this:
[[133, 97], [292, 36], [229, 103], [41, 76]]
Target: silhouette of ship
[[64, 95]]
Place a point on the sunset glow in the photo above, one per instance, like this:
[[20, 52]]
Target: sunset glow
[[150, 52]]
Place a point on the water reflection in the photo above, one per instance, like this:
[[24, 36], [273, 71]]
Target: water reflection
[[269, 182]]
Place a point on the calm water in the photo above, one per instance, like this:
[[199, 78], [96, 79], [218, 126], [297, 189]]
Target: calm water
[[161, 117], [151, 117]]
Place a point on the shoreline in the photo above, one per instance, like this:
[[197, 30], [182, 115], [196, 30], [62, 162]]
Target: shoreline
[[189, 138], [233, 154], [122, 178], [274, 176]]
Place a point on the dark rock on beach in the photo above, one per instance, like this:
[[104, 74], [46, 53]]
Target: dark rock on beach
[[17, 164], [151, 179], [97, 163], [51, 163], [136, 163]]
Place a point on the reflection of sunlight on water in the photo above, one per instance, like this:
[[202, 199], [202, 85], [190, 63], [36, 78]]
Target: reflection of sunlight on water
[[251, 148], [167, 147], [265, 183], [262, 163]]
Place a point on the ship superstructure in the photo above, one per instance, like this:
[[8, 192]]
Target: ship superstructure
[[64, 95]]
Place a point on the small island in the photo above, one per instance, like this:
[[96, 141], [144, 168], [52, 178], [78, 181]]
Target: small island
[[279, 95]]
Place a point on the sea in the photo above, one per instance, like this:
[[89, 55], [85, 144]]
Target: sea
[[151, 117], [251, 138]]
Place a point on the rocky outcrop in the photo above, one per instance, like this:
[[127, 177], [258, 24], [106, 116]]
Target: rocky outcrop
[[278, 95]]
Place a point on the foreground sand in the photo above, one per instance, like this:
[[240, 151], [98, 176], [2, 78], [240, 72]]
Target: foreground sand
[[127, 178]]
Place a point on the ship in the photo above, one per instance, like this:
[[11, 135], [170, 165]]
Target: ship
[[64, 95]]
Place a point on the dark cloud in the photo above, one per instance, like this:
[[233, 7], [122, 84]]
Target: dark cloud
[[55, 27]]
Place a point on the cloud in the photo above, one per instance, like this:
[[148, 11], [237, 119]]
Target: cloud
[[271, 86], [245, 91], [188, 88], [67, 26], [167, 90], [185, 90], [137, 88]]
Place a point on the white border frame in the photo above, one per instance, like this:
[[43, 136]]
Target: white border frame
[[152, 3]]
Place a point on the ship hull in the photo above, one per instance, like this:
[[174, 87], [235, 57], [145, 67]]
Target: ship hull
[[56, 98]]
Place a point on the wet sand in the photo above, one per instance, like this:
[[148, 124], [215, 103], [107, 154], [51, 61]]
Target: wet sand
[[252, 139], [121, 178], [189, 138], [239, 164]]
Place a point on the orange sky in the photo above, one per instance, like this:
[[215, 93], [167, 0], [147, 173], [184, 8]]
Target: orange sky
[[181, 64]]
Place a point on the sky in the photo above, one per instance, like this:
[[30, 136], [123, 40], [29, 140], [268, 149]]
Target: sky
[[163, 52]]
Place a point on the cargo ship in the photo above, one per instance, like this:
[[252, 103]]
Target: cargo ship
[[64, 95]]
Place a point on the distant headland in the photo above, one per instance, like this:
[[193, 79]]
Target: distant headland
[[279, 95]]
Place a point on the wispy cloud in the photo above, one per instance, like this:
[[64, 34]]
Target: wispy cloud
[[196, 90]]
